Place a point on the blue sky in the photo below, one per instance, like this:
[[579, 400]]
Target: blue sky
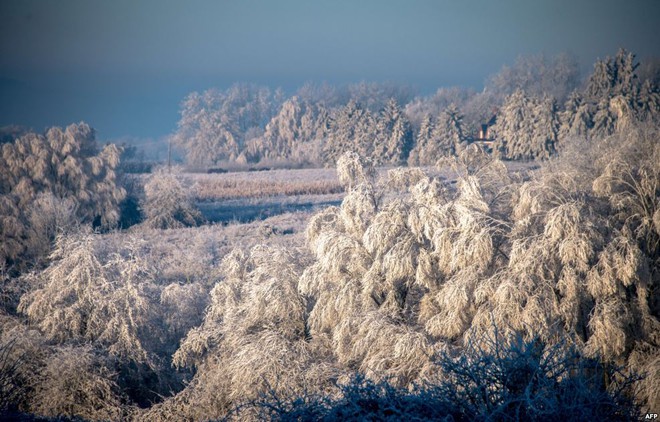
[[124, 66]]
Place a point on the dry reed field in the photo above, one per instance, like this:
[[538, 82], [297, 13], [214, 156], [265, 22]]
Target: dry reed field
[[215, 187], [292, 182]]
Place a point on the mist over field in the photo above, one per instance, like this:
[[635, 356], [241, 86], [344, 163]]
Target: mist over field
[[300, 211]]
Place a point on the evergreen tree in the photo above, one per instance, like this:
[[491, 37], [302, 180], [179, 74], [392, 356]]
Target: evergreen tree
[[649, 101], [526, 127], [418, 154], [351, 129], [576, 119], [448, 134], [439, 139], [613, 93], [604, 120], [546, 128], [614, 76], [393, 140], [511, 130]]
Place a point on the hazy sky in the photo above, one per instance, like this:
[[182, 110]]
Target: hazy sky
[[124, 66]]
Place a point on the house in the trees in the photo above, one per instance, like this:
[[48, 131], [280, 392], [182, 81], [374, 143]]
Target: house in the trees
[[484, 137]]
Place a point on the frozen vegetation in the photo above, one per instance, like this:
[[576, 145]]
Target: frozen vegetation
[[435, 274]]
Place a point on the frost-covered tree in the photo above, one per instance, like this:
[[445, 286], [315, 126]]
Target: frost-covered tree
[[649, 102], [167, 204], [613, 100], [576, 118], [393, 139], [546, 127], [613, 76], [352, 128], [450, 130], [526, 127], [213, 124], [604, 276], [512, 130], [378, 265], [293, 134], [604, 121], [253, 338], [78, 298], [203, 134], [420, 107], [439, 139], [374, 96], [52, 181], [538, 75], [448, 135], [422, 142], [77, 383]]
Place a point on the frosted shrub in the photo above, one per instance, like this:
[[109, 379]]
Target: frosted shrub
[[631, 183], [182, 305], [353, 169], [253, 336], [76, 383], [533, 380], [79, 298], [167, 204], [23, 352], [516, 380], [400, 178]]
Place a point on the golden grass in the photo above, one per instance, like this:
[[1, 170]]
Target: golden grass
[[263, 184], [213, 190]]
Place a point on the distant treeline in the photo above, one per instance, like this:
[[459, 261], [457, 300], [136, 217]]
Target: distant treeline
[[527, 108]]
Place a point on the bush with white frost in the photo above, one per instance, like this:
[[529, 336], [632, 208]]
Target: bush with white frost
[[167, 204], [80, 298], [253, 338], [512, 379], [353, 169], [76, 383]]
